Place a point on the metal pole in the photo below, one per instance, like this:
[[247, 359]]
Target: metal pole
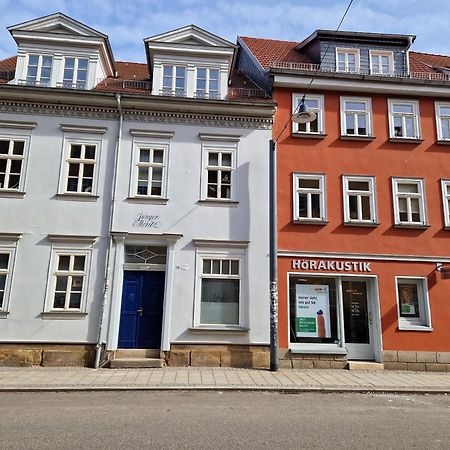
[[273, 257]]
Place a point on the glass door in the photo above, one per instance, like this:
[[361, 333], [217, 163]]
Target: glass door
[[357, 319]]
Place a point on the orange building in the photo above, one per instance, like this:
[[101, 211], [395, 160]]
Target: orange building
[[363, 198]]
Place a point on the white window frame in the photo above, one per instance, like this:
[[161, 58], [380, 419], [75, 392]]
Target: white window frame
[[446, 201], [24, 158], [321, 191], [174, 90], [74, 83], [419, 195], [320, 111], [219, 144], [8, 245], [422, 323], [346, 51], [439, 118], [372, 199], [415, 114], [378, 54], [368, 114], [207, 93], [37, 81], [234, 251]]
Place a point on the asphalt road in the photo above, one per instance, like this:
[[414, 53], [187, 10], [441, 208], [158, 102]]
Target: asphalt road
[[203, 420]]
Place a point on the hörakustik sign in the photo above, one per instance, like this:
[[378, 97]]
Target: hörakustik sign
[[332, 266], [312, 311]]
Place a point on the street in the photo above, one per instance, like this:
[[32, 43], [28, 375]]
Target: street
[[138, 419]]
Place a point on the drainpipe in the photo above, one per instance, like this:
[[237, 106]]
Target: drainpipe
[[98, 346], [410, 39]]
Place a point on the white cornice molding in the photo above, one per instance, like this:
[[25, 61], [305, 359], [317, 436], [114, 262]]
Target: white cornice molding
[[220, 137], [18, 125], [152, 134], [71, 238], [82, 129], [10, 237], [213, 243]]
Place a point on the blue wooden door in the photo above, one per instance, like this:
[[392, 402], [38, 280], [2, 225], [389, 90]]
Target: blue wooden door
[[142, 308]]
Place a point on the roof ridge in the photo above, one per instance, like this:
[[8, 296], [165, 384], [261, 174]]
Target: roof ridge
[[430, 54], [269, 39]]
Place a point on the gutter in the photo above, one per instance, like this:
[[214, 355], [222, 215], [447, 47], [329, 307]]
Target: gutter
[[108, 278]]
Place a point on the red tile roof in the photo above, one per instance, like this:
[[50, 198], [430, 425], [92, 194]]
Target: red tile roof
[[8, 64], [427, 62], [268, 50]]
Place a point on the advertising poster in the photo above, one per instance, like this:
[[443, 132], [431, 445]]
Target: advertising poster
[[312, 311]]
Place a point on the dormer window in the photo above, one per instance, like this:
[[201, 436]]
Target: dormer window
[[207, 83], [75, 73], [347, 60], [39, 70], [174, 81], [381, 63]]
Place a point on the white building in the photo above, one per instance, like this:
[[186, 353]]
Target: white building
[[151, 177]]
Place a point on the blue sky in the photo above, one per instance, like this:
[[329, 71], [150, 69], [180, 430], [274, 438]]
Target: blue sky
[[128, 22]]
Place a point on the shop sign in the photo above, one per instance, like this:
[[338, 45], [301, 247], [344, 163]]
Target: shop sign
[[312, 311], [144, 220], [333, 266]]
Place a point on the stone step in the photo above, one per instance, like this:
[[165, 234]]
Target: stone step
[[365, 365], [136, 363], [137, 353]]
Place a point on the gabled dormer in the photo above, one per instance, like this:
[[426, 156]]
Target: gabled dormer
[[189, 62], [58, 51]]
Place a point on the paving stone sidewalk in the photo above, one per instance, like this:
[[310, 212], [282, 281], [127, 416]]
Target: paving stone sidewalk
[[78, 379]]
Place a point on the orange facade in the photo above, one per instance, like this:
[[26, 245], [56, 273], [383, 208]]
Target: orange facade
[[334, 157]]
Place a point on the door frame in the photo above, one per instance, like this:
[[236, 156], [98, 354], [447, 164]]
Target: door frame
[[373, 302]]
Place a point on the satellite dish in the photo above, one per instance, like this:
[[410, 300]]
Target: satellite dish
[[303, 115]]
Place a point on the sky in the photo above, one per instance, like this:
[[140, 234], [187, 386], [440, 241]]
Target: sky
[[127, 23]]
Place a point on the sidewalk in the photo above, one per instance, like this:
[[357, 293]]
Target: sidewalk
[[288, 380]]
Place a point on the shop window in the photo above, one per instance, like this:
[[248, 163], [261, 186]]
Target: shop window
[[207, 82], [356, 116], [12, 164], [404, 119], [309, 198], [81, 168], [359, 200], [413, 304], [409, 202], [381, 62], [151, 171], [445, 185], [174, 80], [443, 121], [315, 104], [347, 60], [39, 70]]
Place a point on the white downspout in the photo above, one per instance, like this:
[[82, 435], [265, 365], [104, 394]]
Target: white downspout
[[98, 346]]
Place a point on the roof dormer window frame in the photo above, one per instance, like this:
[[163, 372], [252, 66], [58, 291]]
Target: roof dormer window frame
[[74, 81], [346, 52], [41, 63], [378, 54], [174, 76], [208, 91]]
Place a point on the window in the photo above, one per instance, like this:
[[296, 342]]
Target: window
[[381, 63], [309, 197], [174, 80], [145, 254], [443, 121], [219, 172], [39, 70], [81, 168], [207, 83], [413, 304], [404, 119], [150, 168], [315, 104], [68, 281], [220, 291], [359, 200], [75, 73], [12, 164], [5, 258], [409, 201], [356, 116], [347, 60], [445, 185]]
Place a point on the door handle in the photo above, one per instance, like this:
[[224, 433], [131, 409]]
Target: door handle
[[140, 311]]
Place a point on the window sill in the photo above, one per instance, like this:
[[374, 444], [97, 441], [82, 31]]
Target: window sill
[[77, 197], [154, 200], [399, 140], [218, 202], [443, 142], [310, 222], [4, 314], [412, 225], [228, 329], [65, 315], [362, 224], [309, 135], [11, 193], [351, 137], [405, 327]]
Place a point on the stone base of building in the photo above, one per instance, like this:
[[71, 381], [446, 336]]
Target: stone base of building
[[289, 360], [420, 361], [47, 355]]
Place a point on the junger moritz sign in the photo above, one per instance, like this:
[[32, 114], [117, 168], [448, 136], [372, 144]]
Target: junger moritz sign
[[332, 266]]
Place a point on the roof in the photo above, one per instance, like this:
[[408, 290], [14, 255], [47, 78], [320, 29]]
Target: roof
[[7, 69], [268, 50], [427, 62]]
